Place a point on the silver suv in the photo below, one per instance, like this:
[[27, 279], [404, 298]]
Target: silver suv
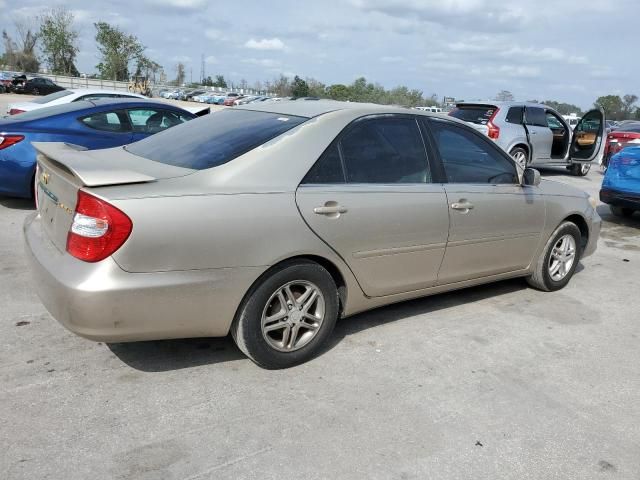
[[536, 135]]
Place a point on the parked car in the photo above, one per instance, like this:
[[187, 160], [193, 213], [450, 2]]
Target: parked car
[[17, 83], [88, 124], [5, 82], [39, 86], [354, 210], [537, 135], [621, 183], [67, 96], [246, 99], [624, 136], [231, 101], [189, 96]]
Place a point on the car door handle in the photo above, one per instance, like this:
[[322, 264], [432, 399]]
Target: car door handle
[[462, 205], [330, 209]]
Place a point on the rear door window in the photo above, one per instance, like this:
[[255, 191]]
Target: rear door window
[[536, 116], [154, 120], [515, 115], [478, 114], [385, 150], [214, 139]]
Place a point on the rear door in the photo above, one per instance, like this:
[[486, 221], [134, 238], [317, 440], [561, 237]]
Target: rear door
[[372, 198], [540, 135], [588, 140], [495, 223]]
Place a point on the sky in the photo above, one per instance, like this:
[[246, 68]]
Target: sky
[[564, 50]]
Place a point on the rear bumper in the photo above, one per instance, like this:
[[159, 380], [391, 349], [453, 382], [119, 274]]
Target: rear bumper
[[620, 199], [102, 302]]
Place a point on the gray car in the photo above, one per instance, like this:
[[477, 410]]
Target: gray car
[[271, 221], [536, 135]]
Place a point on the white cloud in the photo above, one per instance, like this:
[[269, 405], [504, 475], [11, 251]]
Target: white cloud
[[214, 34], [211, 60], [179, 4], [265, 44], [181, 59], [262, 62], [392, 59]]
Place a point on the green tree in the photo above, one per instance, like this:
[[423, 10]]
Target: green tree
[[299, 87], [612, 105], [282, 86], [338, 91], [316, 88], [563, 108], [180, 75], [59, 41], [220, 82], [117, 49], [207, 82], [628, 105], [21, 53]]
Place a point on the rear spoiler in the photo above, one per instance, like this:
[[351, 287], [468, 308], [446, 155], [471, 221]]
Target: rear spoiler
[[197, 111], [86, 166]]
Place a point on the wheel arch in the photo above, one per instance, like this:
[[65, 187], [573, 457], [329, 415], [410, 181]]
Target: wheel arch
[[330, 266], [521, 145], [582, 225]]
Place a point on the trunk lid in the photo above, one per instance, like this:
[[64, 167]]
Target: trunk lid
[[63, 169]]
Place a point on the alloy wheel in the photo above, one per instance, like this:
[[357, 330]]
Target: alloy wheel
[[293, 316], [521, 158], [562, 257]]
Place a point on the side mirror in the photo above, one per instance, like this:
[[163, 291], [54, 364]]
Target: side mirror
[[531, 177]]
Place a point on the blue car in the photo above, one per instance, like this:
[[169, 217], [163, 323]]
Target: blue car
[[621, 184], [92, 124]]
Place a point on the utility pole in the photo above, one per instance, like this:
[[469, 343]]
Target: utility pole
[[202, 70]]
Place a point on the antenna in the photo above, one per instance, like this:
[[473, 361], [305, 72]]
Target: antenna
[[202, 70]]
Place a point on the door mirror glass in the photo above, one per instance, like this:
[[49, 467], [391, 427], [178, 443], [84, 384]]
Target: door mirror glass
[[531, 177]]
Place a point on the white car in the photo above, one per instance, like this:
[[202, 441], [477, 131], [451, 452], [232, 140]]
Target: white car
[[68, 96]]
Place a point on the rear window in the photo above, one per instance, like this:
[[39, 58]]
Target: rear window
[[52, 96], [515, 115], [214, 139], [478, 114]]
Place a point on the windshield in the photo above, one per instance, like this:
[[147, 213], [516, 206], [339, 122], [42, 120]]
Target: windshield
[[52, 96], [478, 114], [214, 139]]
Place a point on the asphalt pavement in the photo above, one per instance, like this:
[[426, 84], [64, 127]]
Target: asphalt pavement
[[494, 382]]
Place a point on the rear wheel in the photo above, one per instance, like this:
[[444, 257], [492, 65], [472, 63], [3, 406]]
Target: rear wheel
[[621, 212], [579, 169], [558, 260], [521, 156], [288, 316], [35, 91]]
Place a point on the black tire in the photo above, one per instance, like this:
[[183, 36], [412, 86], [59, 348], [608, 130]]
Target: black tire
[[247, 326], [541, 278], [579, 169], [621, 211], [517, 152]]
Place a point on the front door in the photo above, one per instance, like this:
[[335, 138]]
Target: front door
[[588, 141], [370, 197], [540, 135], [495, 222]]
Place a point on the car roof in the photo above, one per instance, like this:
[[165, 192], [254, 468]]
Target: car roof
[[504, 103], [313, 108], [90, 91]]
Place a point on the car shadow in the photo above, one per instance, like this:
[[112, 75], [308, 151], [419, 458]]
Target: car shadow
[[168, 355], [605, 213], [17, 203]]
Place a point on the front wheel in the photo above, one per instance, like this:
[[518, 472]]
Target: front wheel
[[558, 260], [580, 169], [35, 91], [288, 316]]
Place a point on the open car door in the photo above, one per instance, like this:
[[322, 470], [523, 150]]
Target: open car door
[[588, 142]]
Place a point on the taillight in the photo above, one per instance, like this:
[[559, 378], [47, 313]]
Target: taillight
[[7, 140], [98, 229], [15, 111], [494, 130]]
